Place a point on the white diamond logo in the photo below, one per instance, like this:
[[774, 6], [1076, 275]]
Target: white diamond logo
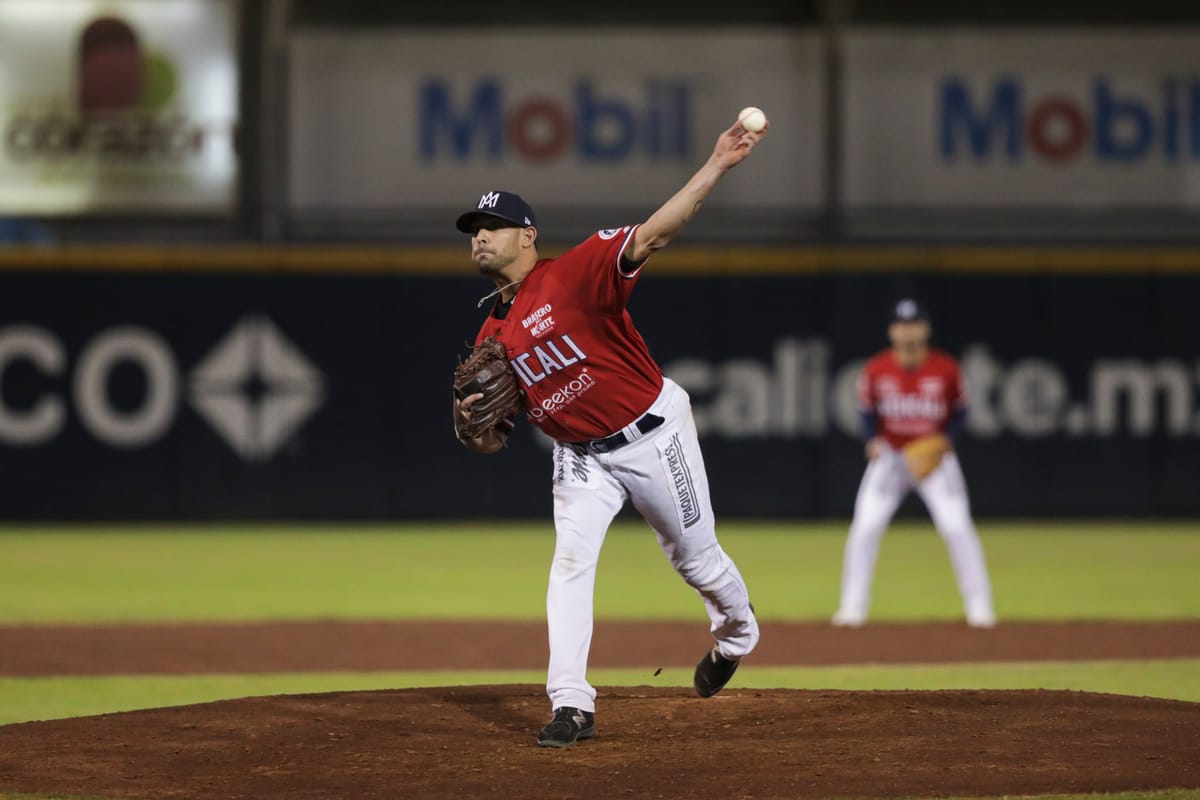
[[256, 388]]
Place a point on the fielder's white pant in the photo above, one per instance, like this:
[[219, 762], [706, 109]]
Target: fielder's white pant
[[944, 492], [663, 474]]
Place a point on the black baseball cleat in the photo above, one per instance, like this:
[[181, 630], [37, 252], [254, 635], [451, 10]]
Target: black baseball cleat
[[713, 672], [568, 726]]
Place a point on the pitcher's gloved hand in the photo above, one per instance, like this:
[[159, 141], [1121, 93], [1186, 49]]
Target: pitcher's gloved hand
[[485, 372]]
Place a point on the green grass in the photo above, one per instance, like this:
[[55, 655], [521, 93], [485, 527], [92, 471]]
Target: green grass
[[1040, 571], [27, 699]]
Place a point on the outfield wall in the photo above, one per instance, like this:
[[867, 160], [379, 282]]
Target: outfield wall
[[313, 383]]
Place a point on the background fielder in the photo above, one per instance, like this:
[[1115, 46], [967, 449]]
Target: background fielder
[[912, 396], [622, 431]]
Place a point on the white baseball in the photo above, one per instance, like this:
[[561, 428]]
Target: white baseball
[[752, 119]]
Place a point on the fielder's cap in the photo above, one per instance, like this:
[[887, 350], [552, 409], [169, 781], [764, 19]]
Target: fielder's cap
[[501, 205], [909, 310]]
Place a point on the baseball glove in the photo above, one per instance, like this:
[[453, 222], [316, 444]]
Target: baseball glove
[[923, 455], [486, 371]]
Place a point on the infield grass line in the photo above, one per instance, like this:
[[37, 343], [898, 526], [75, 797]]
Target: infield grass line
[[25, 699], [156, 573]]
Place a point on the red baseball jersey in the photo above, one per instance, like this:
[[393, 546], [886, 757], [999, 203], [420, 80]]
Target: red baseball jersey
[[584, 369], [911, 403]]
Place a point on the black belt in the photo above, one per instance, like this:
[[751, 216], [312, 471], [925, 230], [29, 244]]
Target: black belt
[[647, 423]]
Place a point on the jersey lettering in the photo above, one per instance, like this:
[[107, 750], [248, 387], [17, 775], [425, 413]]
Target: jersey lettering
[[550, 361], [912, 406], [911, 402], [536, 315]]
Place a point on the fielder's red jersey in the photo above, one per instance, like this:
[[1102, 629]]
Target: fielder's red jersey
[[584, 369], [911, 403]]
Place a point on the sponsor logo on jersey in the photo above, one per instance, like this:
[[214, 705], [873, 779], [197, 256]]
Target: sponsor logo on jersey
[[571, 391], [543, 327], [539, 323], [681, 477], [543, 360]]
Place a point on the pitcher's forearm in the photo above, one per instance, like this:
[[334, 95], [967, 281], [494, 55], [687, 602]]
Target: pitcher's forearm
[[662, 226]]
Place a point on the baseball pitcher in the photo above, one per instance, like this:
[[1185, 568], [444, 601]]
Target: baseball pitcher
[[913, 404], [559, 332]]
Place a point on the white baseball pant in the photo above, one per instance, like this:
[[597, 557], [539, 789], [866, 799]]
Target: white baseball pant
[[885, 484], [662, 472]]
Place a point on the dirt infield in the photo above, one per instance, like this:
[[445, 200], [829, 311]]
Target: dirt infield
[[478, 741], [652, 742], [375, 646]]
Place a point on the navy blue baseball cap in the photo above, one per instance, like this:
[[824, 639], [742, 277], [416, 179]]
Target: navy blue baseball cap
[[500, 205], [909, 310]]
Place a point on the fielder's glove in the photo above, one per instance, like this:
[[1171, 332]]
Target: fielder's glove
[[486, 371], [923, 455]]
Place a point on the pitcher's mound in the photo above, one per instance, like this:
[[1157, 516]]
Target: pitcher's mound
[[479, 741]]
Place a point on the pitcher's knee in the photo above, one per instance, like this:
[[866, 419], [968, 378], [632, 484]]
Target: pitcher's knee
[[866, 532], [703, 570], [569, 563], [956, 528]]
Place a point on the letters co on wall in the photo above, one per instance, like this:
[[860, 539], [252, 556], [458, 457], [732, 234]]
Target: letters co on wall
[[207, 394]]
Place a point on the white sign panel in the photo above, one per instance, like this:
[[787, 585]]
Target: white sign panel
[[117, 106], [1022, 118], [408, 119]]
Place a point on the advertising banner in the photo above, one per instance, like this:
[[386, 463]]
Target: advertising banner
[[418, 119], [201, 395], [1022, 118], [117, 106]]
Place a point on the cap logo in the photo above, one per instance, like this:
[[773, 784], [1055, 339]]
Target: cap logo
[[489, 200], [906, 309]]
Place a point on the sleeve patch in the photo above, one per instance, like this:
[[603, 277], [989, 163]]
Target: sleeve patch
[[612, 233]]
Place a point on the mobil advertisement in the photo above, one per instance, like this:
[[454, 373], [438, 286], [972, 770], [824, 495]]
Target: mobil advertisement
[[1010, 118], [1004, 120], [400, 120], [483, 122], [119, 106], [207, 394]]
